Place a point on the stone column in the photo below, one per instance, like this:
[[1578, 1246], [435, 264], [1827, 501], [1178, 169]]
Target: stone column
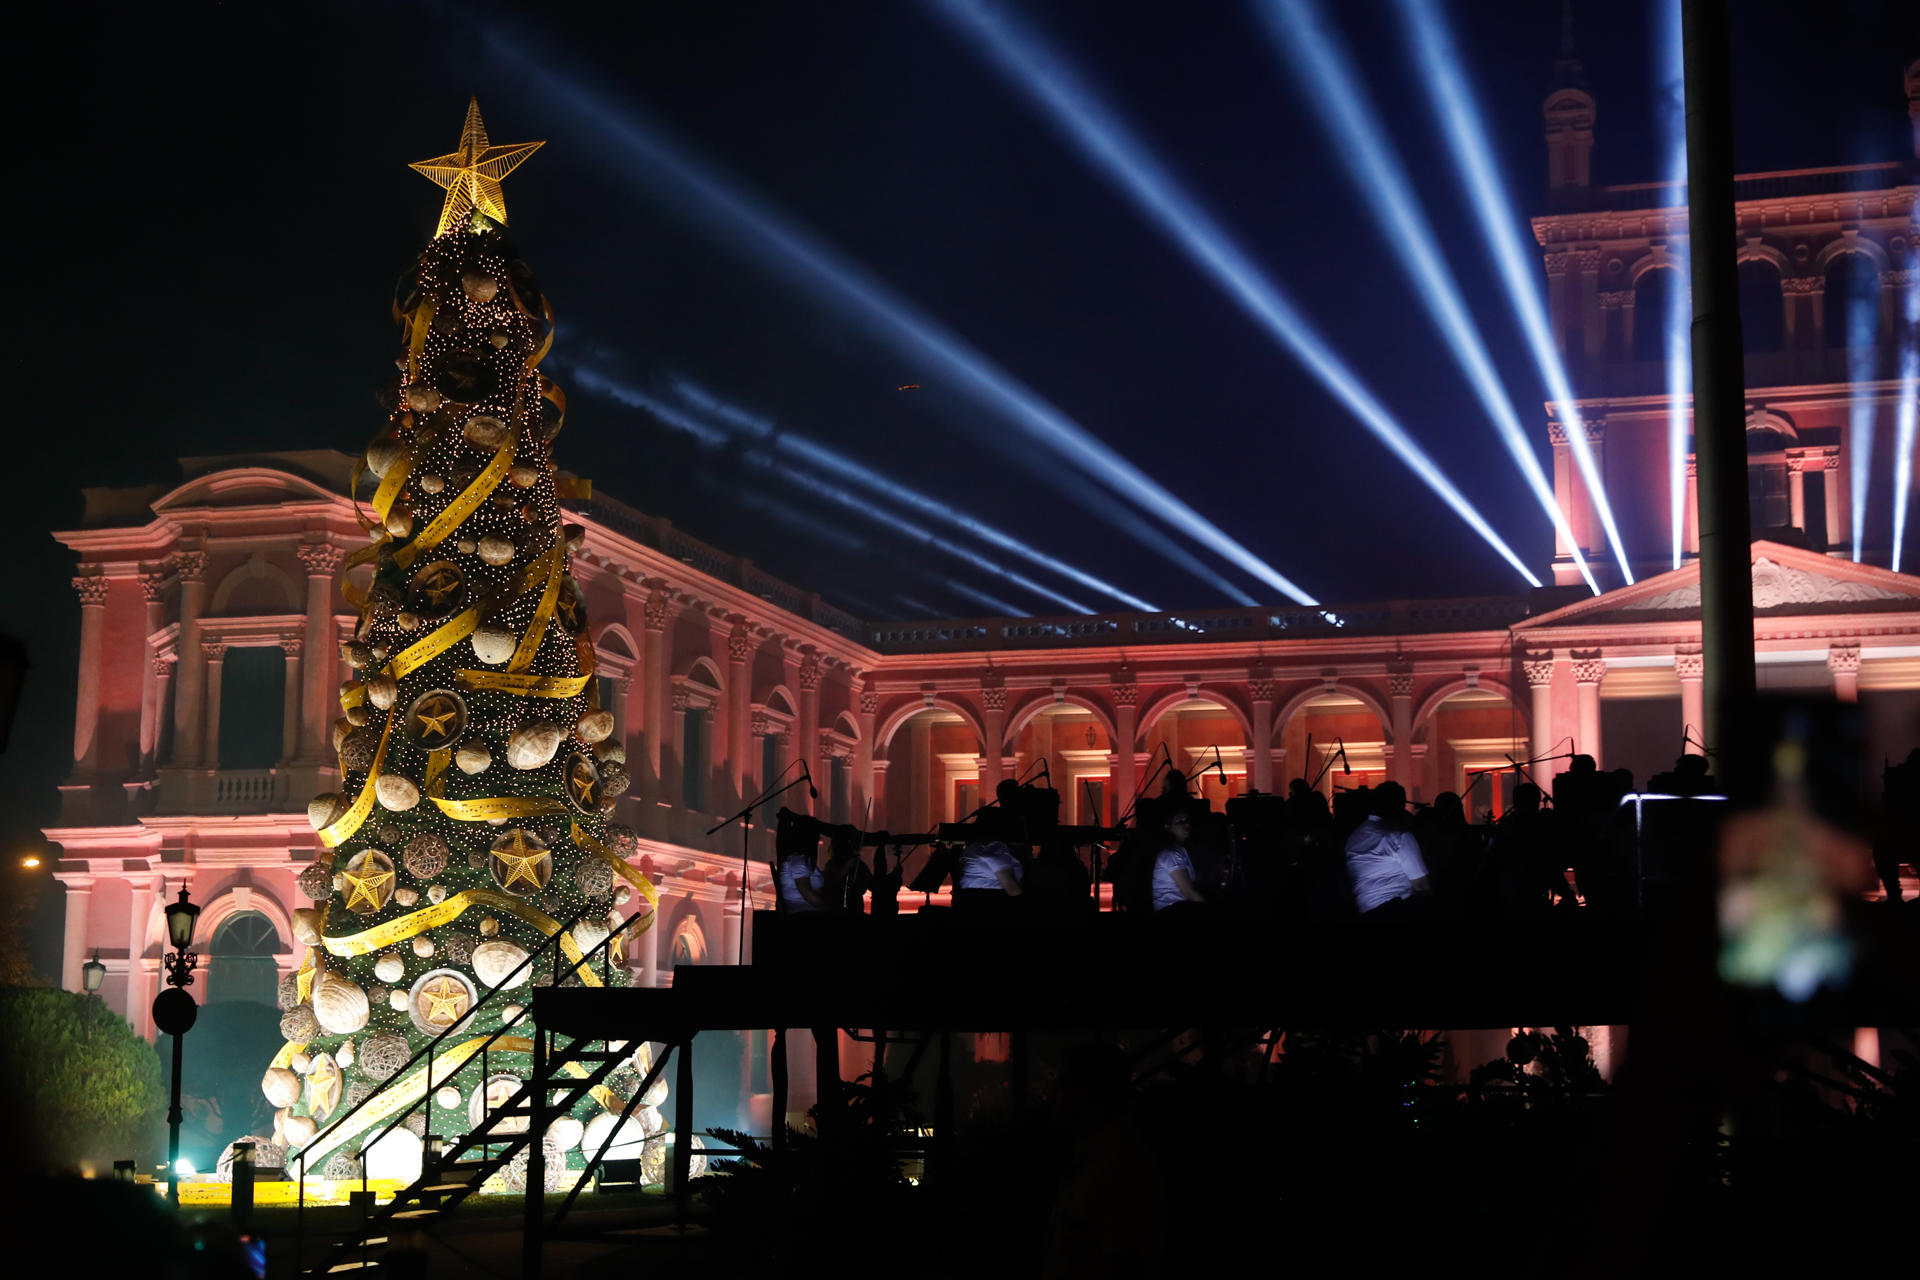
[[673, 766], [1843, 660], [163, 664], [73, 949], [1125, 695], [730, 930], [646, 947], [1831, 475], [1592, 325], [1538, 668], [321, 562], [214, 653], [153, 679], [140, 980], [1402, 770], [657, 678], [1690, 666], [879, 794], [993, 715], [809, 727], [739, 705], [1589, 669], [1260, 745], [92, 590], [622, 709], [1797, 491], [189, 698], [291, 728], [1691, 516], [866, 800]]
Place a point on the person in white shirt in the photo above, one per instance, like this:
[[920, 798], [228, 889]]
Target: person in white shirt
[[989, 864], [1172, 868], [800, 881], [1384, 866]]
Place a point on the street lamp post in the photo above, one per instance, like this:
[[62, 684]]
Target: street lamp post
[[174, 1012], [92, 974]]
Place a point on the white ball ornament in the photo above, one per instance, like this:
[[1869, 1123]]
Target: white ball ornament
[[389, 968]]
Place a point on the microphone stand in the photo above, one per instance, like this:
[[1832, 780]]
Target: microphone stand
[[1135, 803], [745, 819]]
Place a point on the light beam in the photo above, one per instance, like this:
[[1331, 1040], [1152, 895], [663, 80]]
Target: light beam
[[1106, 144], [1332, 86], [671, 416], [1467, 136], [1905, 414], [1670, 123], [657, 167], [1862, 319], [835, 462]]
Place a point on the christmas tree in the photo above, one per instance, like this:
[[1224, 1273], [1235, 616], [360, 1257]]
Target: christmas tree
[[476, 763]]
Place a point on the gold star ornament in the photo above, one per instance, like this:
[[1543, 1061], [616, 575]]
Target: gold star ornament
[[369, 881], [472, 174], [521, 858], [323, 1086], [446, 1001]]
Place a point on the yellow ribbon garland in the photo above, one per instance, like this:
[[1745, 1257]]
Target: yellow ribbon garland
[[382, 936], [526, 686], [417, 340], [456, 512], [342, 828], [487, 808], [394, 481], [542, 614], [284, 1058]]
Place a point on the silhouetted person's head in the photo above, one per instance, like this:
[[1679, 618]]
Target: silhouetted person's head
[[1175, 784], [1447, 807], [1623, 781], [1176, 828], [1691, 766], [1581, 764], [1526, 798], [1389, 801], [1007, 793], [1298, 788]]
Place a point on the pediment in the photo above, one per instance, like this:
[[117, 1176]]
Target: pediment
[[244, 487], [1786, 581]]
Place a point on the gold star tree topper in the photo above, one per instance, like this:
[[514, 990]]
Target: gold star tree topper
[[472, 174]]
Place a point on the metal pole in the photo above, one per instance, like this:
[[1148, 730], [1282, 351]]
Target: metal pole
[[173, 1130], [1719, 380]]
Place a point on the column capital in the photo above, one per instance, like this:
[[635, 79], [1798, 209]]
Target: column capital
[[680, 701], [1260, 685], [809, 673], [1843, 657], [1803, 284], [213, 650], [740, 641], [1538, 668], [153, 585], [622, 684], [1689, 664], [161, 661], [293, 644], [1125, 693], [190, 565], [320, 559], [1400, 684], [92, 590], [659, 605], [993, 697], [869, 701], [1589, 666]]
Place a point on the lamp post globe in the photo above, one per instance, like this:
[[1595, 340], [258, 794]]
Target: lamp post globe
[[92, 974]]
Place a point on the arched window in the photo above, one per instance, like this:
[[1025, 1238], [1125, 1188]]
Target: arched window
[[1852, 301], [689, 945], [252, 696], [1762, 307], [240, 963], [1657, 298]]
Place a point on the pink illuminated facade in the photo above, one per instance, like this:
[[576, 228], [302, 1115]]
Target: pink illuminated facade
[[211, 622]]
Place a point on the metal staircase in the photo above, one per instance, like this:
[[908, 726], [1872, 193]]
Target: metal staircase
[[566, 1070]]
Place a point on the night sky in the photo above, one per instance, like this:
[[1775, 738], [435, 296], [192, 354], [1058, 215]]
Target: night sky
[[211, 204]]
